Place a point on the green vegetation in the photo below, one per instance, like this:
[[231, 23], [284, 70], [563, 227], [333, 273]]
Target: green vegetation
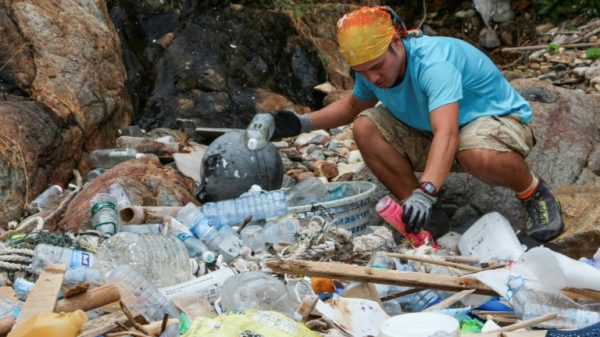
[[552, 48], [561, 9], [592, 53]]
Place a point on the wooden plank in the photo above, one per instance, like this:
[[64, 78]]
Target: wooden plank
[[374, 275], [536, 333], [528, 323], [92, 299], [42, 297], [7, 293], [102, 324], [446, 303], [434, 261]]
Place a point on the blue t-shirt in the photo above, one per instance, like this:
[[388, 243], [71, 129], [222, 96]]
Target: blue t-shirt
[[444, 70]]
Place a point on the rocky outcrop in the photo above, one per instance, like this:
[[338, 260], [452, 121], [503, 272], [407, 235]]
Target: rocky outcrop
[[65, 57], [581, 213], [146, 181]]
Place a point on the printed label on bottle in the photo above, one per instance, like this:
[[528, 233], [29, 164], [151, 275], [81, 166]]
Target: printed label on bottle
[[183, 236], [201, 227], [80, 258]]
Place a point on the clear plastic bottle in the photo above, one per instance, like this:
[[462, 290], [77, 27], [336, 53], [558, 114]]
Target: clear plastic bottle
[[196, 248], [107, 158], [306, 191], [80, 275], [47, 199], [10, 307], [161, 259], [45, 255], [118, 191], [424, 299], [153, 228], [142, 295], [93, 174], [259, 132], [234, 211], [225, 242], [104, 213]]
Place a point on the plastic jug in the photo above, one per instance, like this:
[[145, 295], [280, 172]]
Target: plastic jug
[[51, 324]]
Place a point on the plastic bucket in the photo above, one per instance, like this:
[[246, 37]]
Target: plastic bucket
[[491, 238], [353, 213], [420, 324]]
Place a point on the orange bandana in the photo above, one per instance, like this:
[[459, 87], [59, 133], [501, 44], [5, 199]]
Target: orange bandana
[[365, 34]]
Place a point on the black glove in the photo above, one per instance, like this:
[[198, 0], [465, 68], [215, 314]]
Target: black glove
[[416, 209], [289, 124]]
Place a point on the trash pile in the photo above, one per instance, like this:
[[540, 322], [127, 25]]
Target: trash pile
[[315, 258]]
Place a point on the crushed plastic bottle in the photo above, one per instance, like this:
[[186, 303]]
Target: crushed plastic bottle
[[103, 208], [47, 199], [391, 212], [161, 259], [22, 288], [259, 131], [307, 191], [45, 255], [107, 158], [224, 241], [142, 295], [234, 211]]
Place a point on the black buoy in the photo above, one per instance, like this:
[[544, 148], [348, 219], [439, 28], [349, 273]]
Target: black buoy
[[229, 168]]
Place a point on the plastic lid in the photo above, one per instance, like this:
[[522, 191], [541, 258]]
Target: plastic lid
[[383, 203], [209, 257], [139, 155], [421, 324], [252, 144]]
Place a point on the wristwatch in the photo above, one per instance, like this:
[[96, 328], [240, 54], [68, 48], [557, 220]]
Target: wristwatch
[[428, 188]]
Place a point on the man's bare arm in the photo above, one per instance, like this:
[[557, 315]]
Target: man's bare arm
[[340, 112]]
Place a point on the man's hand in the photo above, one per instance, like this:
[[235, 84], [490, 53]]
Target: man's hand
[[289, 124], [416, 209]]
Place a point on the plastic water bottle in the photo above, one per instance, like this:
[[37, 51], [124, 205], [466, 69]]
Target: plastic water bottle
[[107, 158], [47, 199], [234, 211], [80, 275], [161, 259], [424, 299], [392, 212], [117, 191], [306, 191], [142, 296], [10, 307], [45, 255], [153, 228], [259, 131], [224, 241], [196, 248], [104, 213], [22, 288], [93, 174]]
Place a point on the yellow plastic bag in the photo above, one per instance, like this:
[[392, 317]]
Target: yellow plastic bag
[[252, 323]]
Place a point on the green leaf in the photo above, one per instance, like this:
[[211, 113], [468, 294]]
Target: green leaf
[[552, 48], [592, 53]]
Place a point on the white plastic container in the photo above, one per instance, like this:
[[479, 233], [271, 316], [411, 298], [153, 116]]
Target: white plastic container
[[491, 238], [420, 324]]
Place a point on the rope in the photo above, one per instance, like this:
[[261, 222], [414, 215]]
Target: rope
[[13, 266], [15, 258], [20, 251]]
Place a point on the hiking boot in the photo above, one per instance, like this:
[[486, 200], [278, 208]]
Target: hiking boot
[[544, 221]]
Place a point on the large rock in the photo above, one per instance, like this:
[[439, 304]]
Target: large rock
[[566, 132], [146, 181], [581, 213], [65, 56]]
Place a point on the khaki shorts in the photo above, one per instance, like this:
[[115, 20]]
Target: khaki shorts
[[499, 133]]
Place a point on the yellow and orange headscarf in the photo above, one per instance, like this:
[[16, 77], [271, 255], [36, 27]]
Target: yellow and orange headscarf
[[366, 33]]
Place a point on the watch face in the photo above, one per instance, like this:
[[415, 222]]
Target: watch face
[[428, 187]]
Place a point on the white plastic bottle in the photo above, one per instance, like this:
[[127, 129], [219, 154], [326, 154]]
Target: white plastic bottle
[[45, 255], [47, 199], [196, 248], [118, 191], [107, 158], [234, 211], [103, 208], [143, 296], [163, 260], [259, 132]]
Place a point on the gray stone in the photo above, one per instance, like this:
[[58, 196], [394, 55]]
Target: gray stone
[[488, 38]]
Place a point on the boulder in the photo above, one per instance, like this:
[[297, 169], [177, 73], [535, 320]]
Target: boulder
[[65, 57], [581, 214], [146, 181]]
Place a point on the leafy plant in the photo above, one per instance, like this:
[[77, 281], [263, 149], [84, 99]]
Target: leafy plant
[[592, 53], [552, 48], [560, 9]]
